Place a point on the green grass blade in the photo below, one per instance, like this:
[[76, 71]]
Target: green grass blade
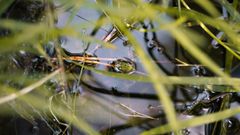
[[200, 120], [154, 74], [28, 89], [208, 6], [233, 12], [4, 4]]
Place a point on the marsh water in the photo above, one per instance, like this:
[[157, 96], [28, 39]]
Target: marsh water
[[123, 107], [102, 110]]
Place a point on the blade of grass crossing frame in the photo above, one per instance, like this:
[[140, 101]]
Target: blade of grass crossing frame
[[4, 4], [154, 74], [208, 6], [186, 42], [205, 28], [200, 120]]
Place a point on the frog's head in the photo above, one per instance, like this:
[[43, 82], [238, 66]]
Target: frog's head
[[123, 65]]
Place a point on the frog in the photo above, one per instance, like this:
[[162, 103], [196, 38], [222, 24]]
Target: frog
[[125, 65]]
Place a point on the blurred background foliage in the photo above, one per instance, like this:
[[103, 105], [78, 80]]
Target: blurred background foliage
[[42, 82]]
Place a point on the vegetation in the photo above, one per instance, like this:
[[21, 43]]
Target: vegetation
[[40, 80]]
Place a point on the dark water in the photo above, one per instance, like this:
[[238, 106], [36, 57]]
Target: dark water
[[107, 102]]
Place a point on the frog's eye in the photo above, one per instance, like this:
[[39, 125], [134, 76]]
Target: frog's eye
[[123, 66]]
